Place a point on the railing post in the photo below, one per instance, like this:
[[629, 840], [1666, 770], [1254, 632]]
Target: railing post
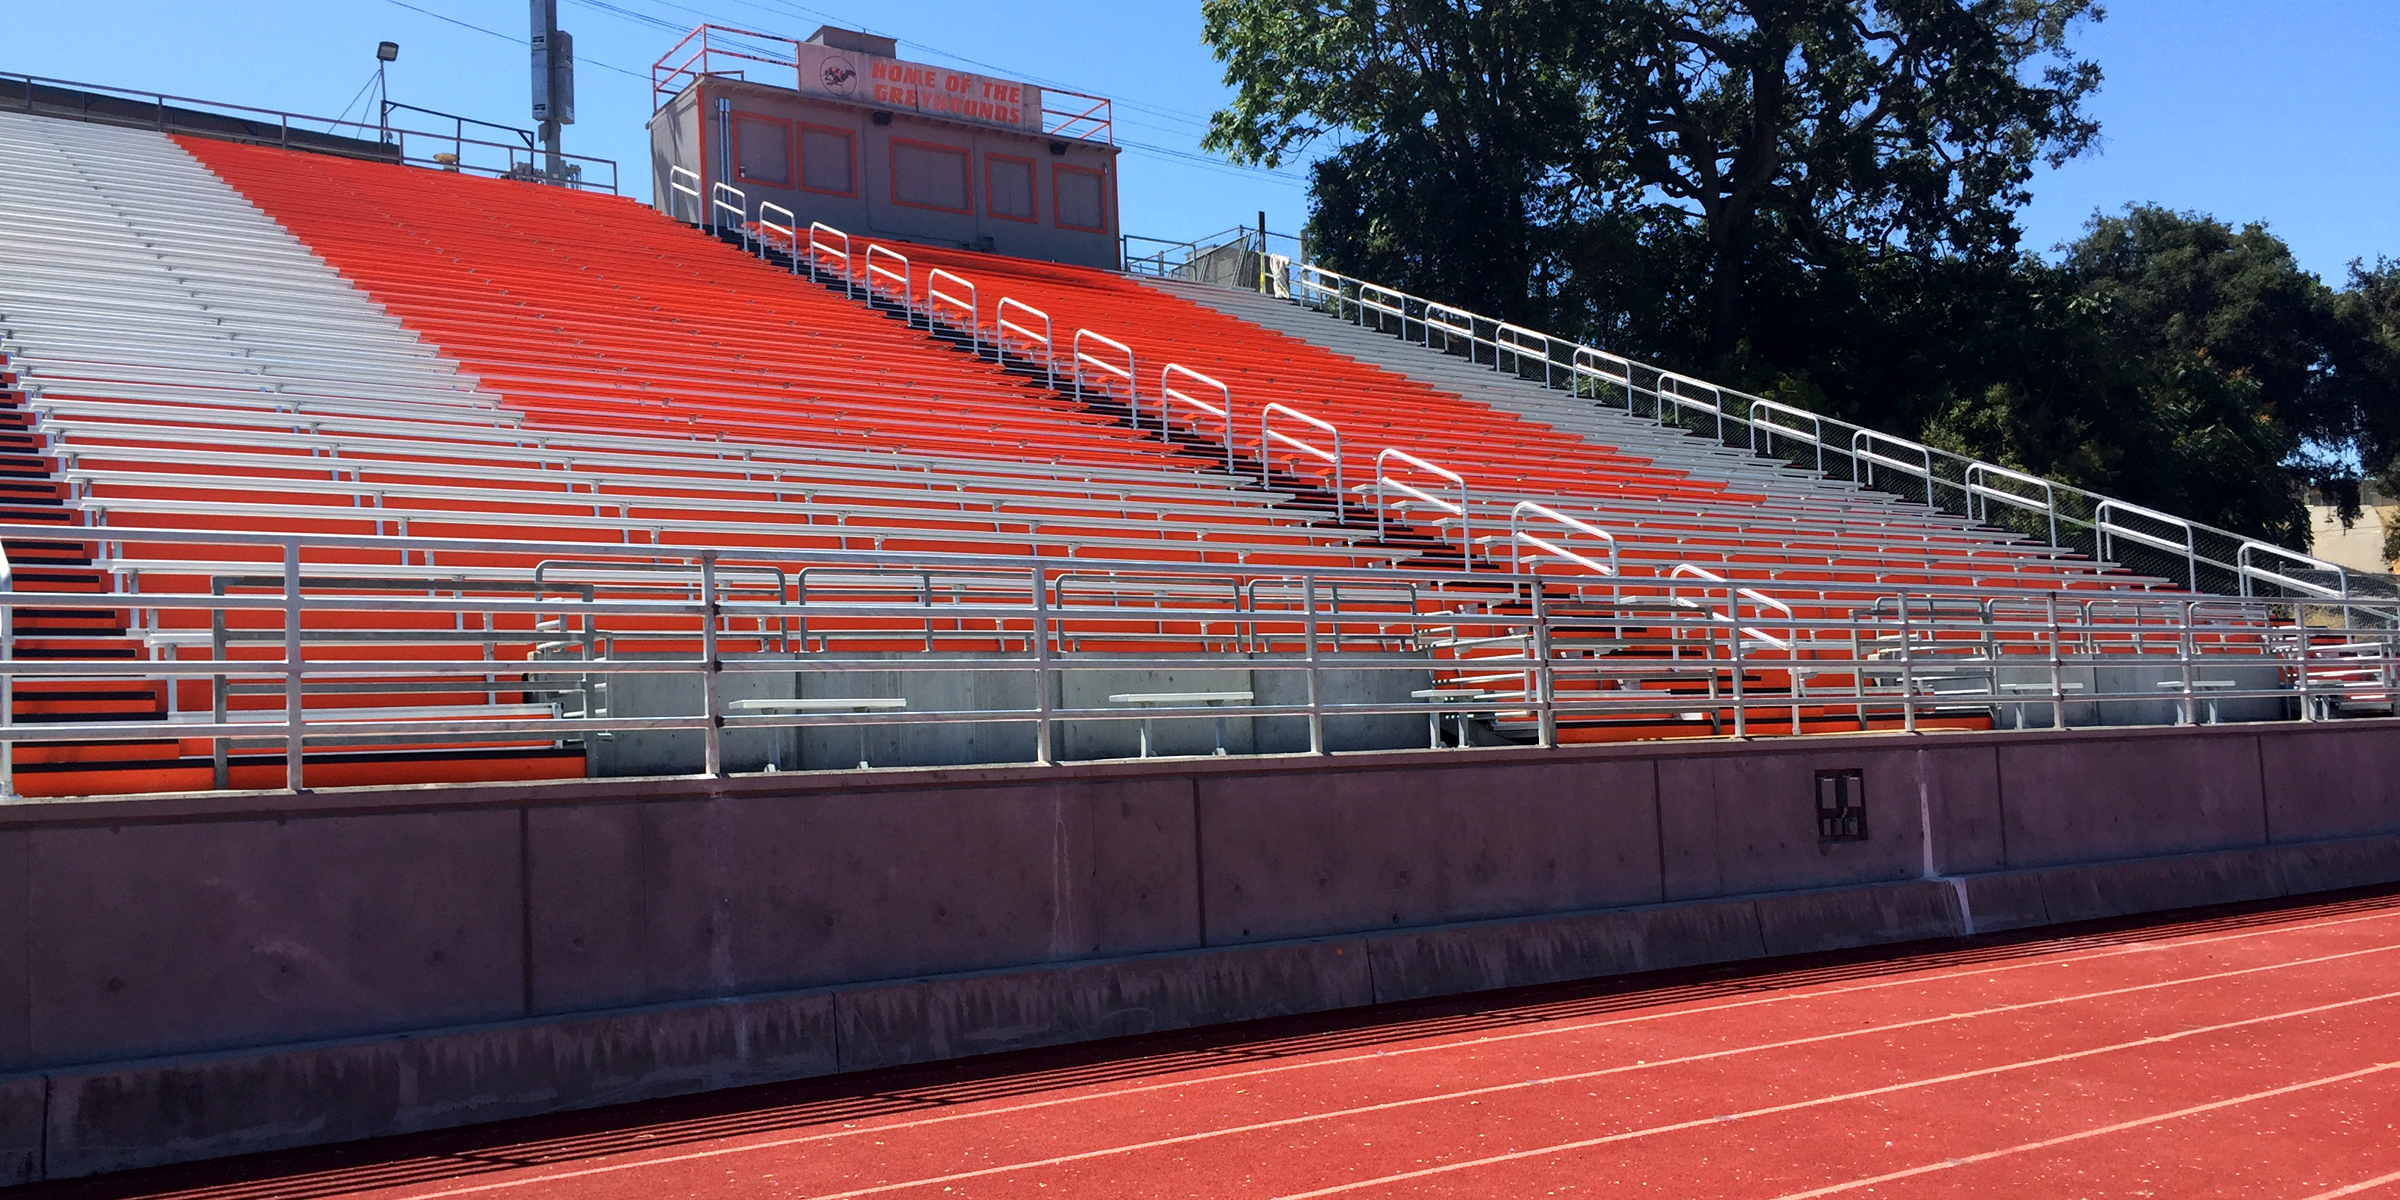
[[292, 738], [1545, 685], [2306, 684], [712, 682], [2185, 648], [1733, 632], [2058, 675], [8, 676], [1043, 750], [221, 766], [1908, 673], [1316, 692]]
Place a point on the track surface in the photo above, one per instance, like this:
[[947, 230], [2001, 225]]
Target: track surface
[[2254, 1054]]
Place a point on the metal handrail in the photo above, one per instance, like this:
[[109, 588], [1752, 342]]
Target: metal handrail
[[676, 187], [731, 628], [8, 680], [1396, 308], [1002, 327], [741, 211], [1862, 450], [822, 249], [1735, 593], [789, 228], [1169, 395], [2250, 571], [904, 277], [1760, 601], [1083, 358], [1519, 342], [1308, 283], [1384, 480], [1765, 421], [664, 79], [1519, 539], [1095, 122], [1980, 493], [1714, 405], [1762, 419], [291, 130], [2109, 532], [1268, 435], [1450, 320], [934, 293], [1587, 362]]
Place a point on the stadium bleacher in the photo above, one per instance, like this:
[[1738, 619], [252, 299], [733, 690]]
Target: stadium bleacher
[[263, 391], [380, 457], [358, 357]]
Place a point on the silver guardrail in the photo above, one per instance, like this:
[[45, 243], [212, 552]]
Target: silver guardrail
[[2194, 555], [286, 635], [404, 133]]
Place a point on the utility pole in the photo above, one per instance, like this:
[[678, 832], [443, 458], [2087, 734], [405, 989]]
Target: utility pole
[[553, 82]]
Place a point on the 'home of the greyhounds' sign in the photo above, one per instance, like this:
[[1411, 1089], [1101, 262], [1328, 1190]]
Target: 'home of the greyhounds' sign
[[914, 87]]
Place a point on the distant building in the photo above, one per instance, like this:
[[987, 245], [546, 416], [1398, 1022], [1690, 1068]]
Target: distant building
[[877, 146], [2360, 547]]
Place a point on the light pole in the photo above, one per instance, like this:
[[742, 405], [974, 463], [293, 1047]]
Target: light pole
[[385, 52], [553, 82]]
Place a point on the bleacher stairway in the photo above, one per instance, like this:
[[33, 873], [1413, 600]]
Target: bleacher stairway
[[1481, 384]]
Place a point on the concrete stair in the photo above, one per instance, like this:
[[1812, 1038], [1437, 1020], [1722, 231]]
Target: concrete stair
[[1697, 456]]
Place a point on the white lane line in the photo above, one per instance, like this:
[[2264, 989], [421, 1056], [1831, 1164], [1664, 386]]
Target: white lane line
[[2105, 1130], [2363, 1185], [1335, 1114], [1489, 1039], [1821, 1101]]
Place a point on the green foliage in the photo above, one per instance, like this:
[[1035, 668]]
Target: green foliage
[[1816, 200], [1458, 118], [1480, 134], [2367, 373]]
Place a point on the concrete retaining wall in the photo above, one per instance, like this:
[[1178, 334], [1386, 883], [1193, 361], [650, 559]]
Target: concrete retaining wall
[[196, 976]]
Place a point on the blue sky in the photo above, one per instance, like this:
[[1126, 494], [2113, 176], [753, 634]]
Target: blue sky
[[2274, 110]]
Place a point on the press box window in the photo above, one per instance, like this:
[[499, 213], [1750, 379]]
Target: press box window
[[826, 161], [1008, 187], [762, 150], [929, 176], [1841, 806], [1076, 195]]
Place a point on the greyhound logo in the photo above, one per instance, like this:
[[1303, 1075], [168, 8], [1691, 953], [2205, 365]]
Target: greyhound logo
[[838, 76]]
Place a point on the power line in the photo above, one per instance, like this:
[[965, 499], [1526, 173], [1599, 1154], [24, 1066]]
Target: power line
[[605, 66], [1189, 118], [1183, 157], [1287, 178], [630, 15]]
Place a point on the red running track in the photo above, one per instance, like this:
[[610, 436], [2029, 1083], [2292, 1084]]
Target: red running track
[[2247, 1055]]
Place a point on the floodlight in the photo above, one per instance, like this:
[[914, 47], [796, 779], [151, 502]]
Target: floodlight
[[387, 51]]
